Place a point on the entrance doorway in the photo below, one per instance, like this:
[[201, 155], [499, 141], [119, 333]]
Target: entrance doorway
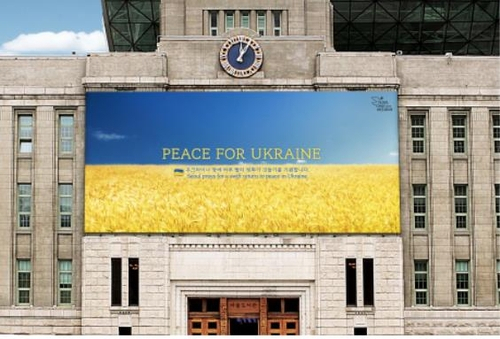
[[244, 326], [243, 316]]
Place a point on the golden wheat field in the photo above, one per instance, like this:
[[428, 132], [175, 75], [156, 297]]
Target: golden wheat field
[[150, 199]]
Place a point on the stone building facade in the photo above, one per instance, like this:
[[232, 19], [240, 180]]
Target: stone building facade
[[439, 276]]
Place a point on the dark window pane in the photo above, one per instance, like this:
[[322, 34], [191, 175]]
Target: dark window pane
[[133, 282], [350, 279], [368, 282], [116, 282], [195, 305]]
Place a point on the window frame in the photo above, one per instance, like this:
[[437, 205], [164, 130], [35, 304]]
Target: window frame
[[277, 17], [261, 25], [213, 23], [455, 130], [456, 206], [498, 281], [22, 214], [18, 280], [61, 213], [425, 274], [21, 138], [420, 130], [227, 16], [496, 189], [62, 131], [416, 214], [495, 129], [245, 14], [60, 288], [459, 274]]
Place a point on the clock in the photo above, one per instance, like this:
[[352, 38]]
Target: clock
[[241, 56]]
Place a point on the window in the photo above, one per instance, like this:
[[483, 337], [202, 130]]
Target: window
[[498, 282], [460, 206], [419, 206], [116, 281], [133, 282], [245, 19], [229, 18], [24, 205], [66, 123], [65, 205], [459, 132], [497, 204], [462, 271], [418, 133], [261, 22], [277, 23], [496, 132], [124, 330], [65, 281], [214, 30], [360, 331], [368, 282], [350, 281], [421, 295], [25, 133], [23, 282]]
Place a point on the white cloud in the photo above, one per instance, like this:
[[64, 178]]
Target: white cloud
[[100, 135], [393, 154], [55, 43]]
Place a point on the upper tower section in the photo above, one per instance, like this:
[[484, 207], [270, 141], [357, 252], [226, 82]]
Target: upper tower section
[[267, 18]]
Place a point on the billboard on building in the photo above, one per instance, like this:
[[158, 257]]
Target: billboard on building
[[242, 162]]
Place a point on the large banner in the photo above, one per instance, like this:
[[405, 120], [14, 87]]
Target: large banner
[[242, 162]]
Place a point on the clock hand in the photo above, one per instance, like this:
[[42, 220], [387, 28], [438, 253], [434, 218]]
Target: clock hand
[[242, 52]]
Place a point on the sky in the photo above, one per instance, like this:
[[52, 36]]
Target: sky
[[348, 127], [51, 27]]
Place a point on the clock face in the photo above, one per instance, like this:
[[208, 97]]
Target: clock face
[[241, 56]]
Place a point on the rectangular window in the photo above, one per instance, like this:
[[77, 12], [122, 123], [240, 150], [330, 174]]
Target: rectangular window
[[261, 22], [23, 282], [496, 132], [277, 23], [25, 133], [245, 19], [418, 133], [460, 206], [116, 281], [368, 282], [497, 204], [213, 18], [462, 271], [459, 133], [65, 205], [229, 18], [498, 282], [419, 206], [133, 282], [24, 205], [350, 282], [421, 295], [66, 133], [65, 281]]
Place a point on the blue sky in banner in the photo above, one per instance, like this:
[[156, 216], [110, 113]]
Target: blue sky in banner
[[349, 127]]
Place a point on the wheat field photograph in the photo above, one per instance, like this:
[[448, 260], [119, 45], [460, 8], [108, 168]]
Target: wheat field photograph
[[242, 162]]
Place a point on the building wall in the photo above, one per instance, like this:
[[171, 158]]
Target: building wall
[[45, 88], [173, 268]]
